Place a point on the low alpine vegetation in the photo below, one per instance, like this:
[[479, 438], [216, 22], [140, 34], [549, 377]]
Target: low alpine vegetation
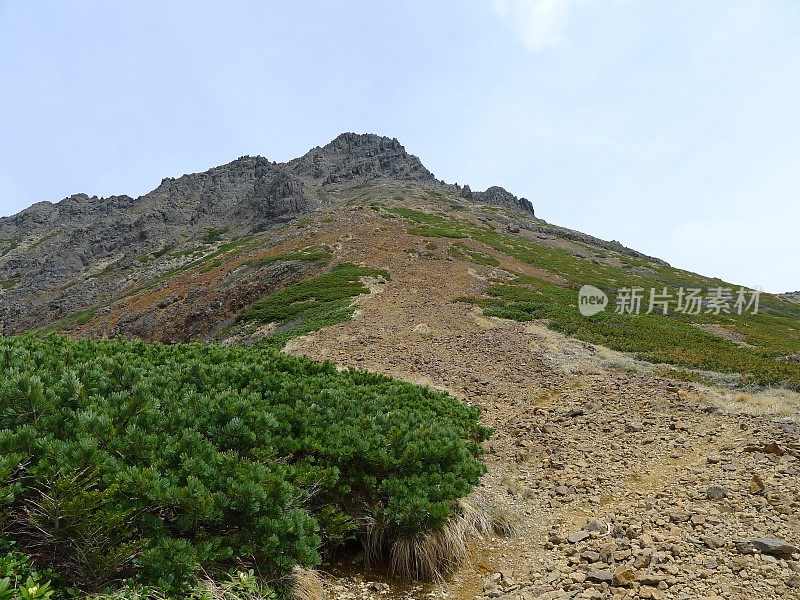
[[122, 460], [769, 339], [311, 304]]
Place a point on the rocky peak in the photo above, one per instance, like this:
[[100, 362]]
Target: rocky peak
[[360, 156], [498, 196]]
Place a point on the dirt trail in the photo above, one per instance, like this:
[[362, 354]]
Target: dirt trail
[[581, 437]]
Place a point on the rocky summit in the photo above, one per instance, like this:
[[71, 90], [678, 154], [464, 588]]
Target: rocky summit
[[632, 456]]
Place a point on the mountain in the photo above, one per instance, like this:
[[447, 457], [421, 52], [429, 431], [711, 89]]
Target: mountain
[[648, 449], [59, 259]]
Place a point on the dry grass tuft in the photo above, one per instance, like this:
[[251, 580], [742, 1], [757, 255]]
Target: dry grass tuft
[[769, 401], [431, 556], [307, 584]]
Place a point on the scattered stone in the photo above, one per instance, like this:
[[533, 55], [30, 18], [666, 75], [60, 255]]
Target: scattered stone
[[774, 546], [651, 579], [624, 576], [716, 492], [595, 526], [679, 516], [590, 556], [713, 541], [756, 485], [555, 537], [577, 537], [600, 576], [770, 448]]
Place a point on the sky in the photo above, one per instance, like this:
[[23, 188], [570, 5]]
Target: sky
[[669, 126]]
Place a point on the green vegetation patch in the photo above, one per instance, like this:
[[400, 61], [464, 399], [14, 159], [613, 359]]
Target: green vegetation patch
[[429, 225], [311, 304], [676, 339], [9, 244], [234, 247], [465, 253], [154, 463], [81, 317], [309, 254], [48, 236], [213, 234], [9, 283]]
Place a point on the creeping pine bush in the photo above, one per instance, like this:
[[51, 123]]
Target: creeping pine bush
[[121, 459], [311, 304]]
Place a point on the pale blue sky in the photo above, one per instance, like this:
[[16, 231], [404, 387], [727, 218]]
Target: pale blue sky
[[670, 126]]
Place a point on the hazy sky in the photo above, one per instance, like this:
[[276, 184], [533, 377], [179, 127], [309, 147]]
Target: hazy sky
[[671, 126]]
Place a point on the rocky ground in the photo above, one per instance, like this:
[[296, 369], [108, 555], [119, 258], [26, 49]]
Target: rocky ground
[[626, 485]]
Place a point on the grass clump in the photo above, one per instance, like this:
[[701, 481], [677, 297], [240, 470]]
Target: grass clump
[[9, 283], [309, 254], [311, 304], [213, 234], [9, 244], [81, 317], [150, 463], [463, 252], [429, 225], [45, 238]]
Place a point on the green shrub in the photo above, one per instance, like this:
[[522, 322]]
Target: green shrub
[[19, 579], [126, 459], [311, 304], [465, 253]]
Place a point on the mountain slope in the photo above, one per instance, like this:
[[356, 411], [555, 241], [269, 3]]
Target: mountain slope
[[185, 261], [629, 447]]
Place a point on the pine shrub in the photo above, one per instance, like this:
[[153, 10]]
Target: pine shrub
[[152, 462]]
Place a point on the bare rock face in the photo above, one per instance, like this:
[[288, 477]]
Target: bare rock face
[[251, 189], [360, 156], [47, 246], [791, 296], [497, 196]]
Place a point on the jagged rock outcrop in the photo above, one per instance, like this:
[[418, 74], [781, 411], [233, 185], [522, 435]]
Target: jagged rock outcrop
[[497, 196], [791, 296], [360, 156], [71, 244]]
